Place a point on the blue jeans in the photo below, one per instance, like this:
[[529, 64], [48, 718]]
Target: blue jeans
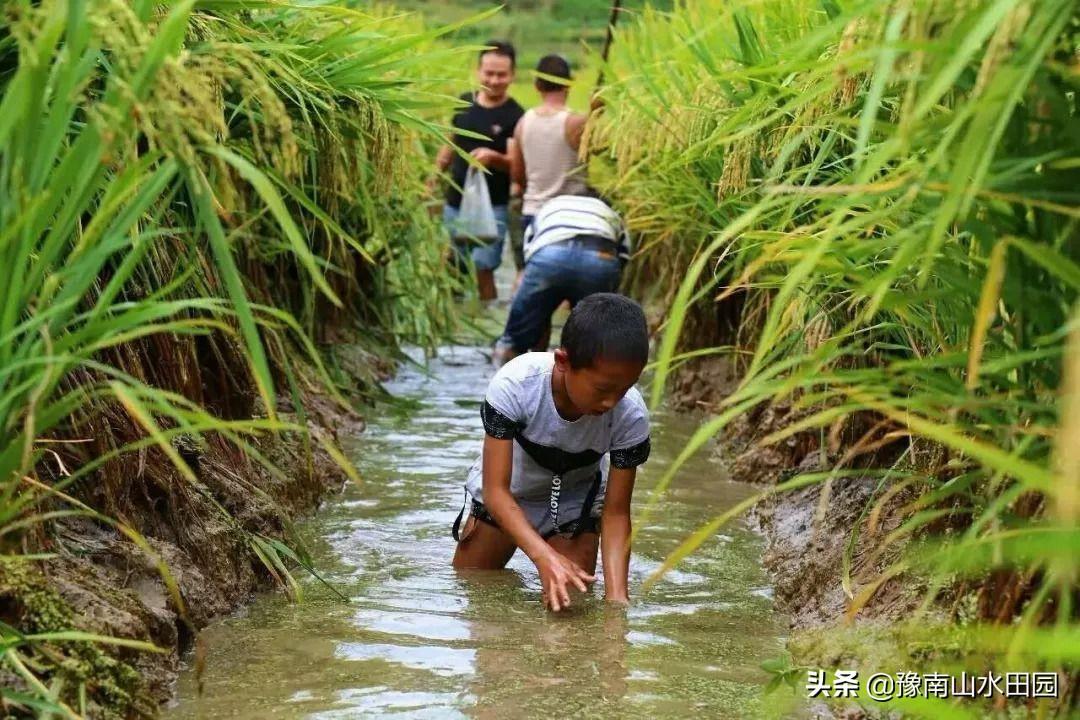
[[486, 256], [564, 271]]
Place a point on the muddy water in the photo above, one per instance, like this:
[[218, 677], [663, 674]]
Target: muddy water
[[414, 639]]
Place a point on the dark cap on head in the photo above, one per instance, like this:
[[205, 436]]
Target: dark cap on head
[[500, 47], [608, 326], [555, 66]]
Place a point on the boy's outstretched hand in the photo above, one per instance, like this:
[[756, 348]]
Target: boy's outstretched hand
[[557, 574]]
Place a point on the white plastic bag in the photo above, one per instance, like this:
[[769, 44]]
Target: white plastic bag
[[476, 217]]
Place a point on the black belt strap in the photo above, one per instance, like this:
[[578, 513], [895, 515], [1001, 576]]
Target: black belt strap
[[586, 509], [457, 522], [592, 242]]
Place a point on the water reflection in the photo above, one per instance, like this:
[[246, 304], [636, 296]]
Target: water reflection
[[416, 639], [530, 663]]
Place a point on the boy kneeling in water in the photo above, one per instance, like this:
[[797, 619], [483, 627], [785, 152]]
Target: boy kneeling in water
[[564, 434]]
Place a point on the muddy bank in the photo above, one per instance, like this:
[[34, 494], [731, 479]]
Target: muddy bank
[[823, 543], [97, 580], [811, 553]]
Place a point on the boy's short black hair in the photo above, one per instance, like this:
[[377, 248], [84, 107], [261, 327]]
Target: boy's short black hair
[[605, 325], [499, 47], [555, 66]]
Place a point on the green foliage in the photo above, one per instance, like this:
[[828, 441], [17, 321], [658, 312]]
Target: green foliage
[[573, 28], [536, 27], [188, 191], [892, 192], [784, 673]]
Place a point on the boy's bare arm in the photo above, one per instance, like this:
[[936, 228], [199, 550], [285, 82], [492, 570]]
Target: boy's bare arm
[[557, 571], [615, 533], [498, 462]]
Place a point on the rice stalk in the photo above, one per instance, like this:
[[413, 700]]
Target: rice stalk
[[897, 236], [188, 192]]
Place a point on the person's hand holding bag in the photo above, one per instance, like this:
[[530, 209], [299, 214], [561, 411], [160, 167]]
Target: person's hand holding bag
[[476, 216]]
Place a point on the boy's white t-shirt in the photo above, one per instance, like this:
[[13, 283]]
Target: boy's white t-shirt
[[557, 461]]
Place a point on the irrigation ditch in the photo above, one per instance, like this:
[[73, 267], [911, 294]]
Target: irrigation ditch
[[856, 228]]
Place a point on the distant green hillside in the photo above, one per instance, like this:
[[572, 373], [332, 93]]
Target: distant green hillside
[[573, 28]]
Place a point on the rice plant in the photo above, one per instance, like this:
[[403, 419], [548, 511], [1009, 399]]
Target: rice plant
[[188, 192], [886, 198]]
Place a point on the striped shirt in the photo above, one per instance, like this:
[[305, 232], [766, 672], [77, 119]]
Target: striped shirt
[[569, 216]]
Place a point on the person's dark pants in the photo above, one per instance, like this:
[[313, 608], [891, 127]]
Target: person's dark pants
[[569, 270]]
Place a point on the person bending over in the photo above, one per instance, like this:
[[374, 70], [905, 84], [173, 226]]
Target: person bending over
[[564, 434], [576, 246]]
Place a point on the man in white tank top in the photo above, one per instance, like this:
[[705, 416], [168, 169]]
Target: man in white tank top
[[544, 155]]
